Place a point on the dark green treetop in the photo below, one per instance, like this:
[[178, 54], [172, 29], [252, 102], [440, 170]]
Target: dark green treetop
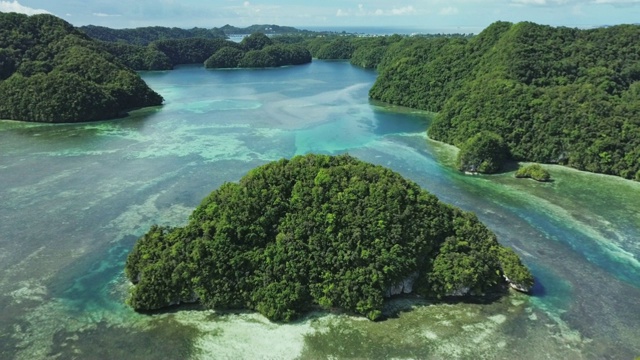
[[316, 231], [485, 152], [51, 72], [533, 171], [256, 41], [555, 95]]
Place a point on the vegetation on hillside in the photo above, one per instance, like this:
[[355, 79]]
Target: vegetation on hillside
[[258, 51], [366, 52], [485, 152], [555, 95], [50, 72], [533, 171], [255, 51], [146, 35], [312, 231]]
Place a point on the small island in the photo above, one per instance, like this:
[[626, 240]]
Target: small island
[[484, 153], [535, 172], [258, 51], [51, 72], [319, 231]]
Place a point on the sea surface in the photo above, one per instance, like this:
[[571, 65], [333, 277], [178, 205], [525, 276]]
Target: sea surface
[[74, 198]]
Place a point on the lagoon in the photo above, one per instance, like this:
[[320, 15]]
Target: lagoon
[[74, 199]]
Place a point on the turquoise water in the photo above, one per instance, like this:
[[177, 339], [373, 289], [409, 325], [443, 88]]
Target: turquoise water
[[76, 197]]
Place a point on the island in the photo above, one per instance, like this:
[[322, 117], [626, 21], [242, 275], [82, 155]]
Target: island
[[258, 51], [533, 171], [319, 231], [555, 95], [159, 48], [485, 153], [51, 72]]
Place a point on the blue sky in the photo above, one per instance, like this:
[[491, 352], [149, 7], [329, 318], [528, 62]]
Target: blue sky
[[440, 15]]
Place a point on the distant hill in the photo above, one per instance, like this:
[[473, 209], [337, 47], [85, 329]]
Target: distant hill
[[51, 72], [265, 29], [146, 35]]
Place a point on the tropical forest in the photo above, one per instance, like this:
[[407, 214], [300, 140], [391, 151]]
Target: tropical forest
[[323, 231]]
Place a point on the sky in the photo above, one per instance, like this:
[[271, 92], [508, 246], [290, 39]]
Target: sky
[[466, 16]]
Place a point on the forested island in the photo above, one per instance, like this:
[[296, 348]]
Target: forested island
[[319, 231], [50, 72], [553, 94], [53, 72], [162, 48]]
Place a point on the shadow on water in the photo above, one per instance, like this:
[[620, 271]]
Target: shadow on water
[[132, 121], [397, 305], [538, 289]]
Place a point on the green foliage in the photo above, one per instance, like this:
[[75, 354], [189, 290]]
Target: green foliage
[[226, 57], [143, 36], [555, 95], [139, 57], [468, 260], [257, 59], [366, 52], [533, 171], [190, 51], [269, 56], [340, 48], [53, 73], [255, 41], [484, 153], [513, 269], [313, 231]]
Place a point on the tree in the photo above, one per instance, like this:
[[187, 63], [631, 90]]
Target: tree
[[53, 73], [533, 171], [226, 57], [256, 41], [483, 153]]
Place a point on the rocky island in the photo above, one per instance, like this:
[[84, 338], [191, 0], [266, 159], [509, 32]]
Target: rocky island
[[319, 231], [51, 72]]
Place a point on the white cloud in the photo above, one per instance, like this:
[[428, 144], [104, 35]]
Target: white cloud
[[575, 2], [105, 15], [449, 11], [406, 10], [361, 10], [530, 2], [618, 2], [15, 6]]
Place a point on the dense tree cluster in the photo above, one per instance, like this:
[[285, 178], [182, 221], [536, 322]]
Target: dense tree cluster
[[258, 51], [50, 72], [190, 51], [139, 57], [317, 230], [533, 171], [255, 51], [366, 52], [555, 95], [485, 152], [146, 35]]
